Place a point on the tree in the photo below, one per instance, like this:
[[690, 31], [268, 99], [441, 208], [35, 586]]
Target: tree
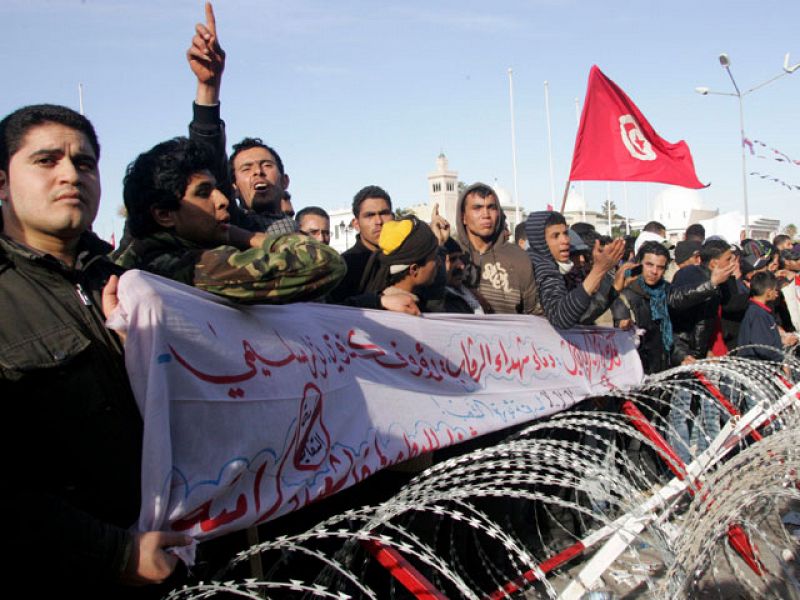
[[790, 230], [399, 213], [604, 208]]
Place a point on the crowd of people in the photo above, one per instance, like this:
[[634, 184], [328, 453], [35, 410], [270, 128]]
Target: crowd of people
[[226, 224]]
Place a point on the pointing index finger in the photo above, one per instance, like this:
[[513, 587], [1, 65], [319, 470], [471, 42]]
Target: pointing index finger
[[211, 22]]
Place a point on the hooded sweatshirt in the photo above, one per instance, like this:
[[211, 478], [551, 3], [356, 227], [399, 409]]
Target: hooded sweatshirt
[[562, 308], [506, 275]]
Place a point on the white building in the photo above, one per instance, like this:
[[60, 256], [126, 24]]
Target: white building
[[442, 190], [343, 235], [576, 211], [731, 227], [678, 207]]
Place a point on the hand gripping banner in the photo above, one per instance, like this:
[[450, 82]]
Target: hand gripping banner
[[251, 412]]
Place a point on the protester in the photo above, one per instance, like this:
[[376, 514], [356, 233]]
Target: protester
[[506, 276], [687, 252], [75, 497], [314, 221], [646, 302], [458, 296], [697, 332], [255, 173], [179, 223], [549, 253], [758, 326], [372, 207], [782, 242], [407, 260], [520, 237], [695, 233], [791, 291], [651, 232], [286, 204]]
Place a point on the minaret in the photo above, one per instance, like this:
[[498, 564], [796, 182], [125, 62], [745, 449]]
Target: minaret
[[443, 189]]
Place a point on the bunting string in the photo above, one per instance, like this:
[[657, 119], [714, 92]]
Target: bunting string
[[772, 153], [775, 180]]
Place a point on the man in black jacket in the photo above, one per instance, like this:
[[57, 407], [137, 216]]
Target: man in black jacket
[[74, 480], [254, 179], [647, 301], [698, 332]]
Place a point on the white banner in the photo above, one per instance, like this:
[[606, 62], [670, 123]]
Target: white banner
[[251, 412]]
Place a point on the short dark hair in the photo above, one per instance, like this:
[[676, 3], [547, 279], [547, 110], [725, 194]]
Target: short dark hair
[[652, 247], [519, 232], [248, 143], [370, 191], [15, 126], [158, 178], [780, 239], [695, 232], [654, 227], [482, 190], [761, 282], [712, 249], [311, 210], [554, 218]]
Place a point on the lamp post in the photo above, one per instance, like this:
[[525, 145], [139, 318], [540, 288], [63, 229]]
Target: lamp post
[[725, 62]]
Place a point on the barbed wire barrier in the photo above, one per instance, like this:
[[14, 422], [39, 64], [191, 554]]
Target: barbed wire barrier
[[686, 486]]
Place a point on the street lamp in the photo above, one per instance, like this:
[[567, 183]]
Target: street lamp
[[725, 62]]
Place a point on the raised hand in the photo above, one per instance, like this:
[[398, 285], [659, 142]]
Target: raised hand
[[721, 273], [207, 59], [439, 225], [620, 280], [606, 258]]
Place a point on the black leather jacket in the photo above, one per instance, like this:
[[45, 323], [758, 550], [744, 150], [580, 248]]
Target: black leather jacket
[[73, 434], [634, 303], [693, 327]]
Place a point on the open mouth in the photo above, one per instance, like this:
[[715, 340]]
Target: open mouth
[[261, 187]]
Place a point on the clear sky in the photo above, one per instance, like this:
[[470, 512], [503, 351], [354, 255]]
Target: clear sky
[[360, 92]]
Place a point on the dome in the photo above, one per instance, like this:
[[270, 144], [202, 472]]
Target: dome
[[674, 205], [503, 195], [575, 202]]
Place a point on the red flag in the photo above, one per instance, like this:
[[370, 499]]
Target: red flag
[[616, 143]]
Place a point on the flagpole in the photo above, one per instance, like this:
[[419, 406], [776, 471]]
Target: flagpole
[[608, 205], [80, 98], [549, 141], [564, 199], [513, 143], [627, 216]]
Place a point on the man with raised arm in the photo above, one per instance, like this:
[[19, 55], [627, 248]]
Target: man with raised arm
[[180, 225], [73, 475], [255, 175]]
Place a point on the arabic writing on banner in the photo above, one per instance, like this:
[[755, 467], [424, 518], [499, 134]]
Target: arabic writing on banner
[[251, 412]]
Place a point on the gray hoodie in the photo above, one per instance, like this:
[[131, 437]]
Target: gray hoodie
[[506, 280]]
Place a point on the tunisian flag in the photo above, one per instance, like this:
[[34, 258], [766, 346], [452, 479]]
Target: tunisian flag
[[616, 143]]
